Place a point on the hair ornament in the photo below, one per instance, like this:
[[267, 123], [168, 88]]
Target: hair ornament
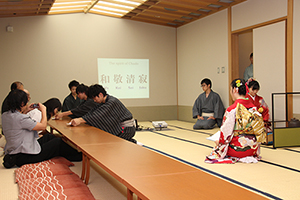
[[238, 83], [250, 80]]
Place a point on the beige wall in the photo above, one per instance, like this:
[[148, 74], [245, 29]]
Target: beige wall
[[46, 52], [202, 48], [252, 12]]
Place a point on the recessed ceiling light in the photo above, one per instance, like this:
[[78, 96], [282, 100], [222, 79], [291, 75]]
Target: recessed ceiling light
[[204, 10], [214, 6], [226, 1], [195, 14], [170, 9], [180, 21], [185, 17], [173, 24]]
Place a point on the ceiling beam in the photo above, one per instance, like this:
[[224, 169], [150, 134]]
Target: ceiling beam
[[88, 8]]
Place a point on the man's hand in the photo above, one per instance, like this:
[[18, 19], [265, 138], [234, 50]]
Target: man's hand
[[77, 121], [200, 117], [211, 117], [58, 115]]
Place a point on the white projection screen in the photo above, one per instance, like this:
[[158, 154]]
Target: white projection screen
[[124, 78]]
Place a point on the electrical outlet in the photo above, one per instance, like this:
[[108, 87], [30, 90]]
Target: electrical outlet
[[218, 70], [223, 69]]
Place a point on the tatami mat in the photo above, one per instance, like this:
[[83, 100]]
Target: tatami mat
[[276, 176]]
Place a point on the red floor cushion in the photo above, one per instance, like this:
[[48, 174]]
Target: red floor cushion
[[51, 180], [47, 183], [77, 193], [59, 160], [40, 170]]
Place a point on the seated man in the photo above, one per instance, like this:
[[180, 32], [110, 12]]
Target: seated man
[[15, 85], [208, 107], [71, 101], [87, 104], [110, 115]]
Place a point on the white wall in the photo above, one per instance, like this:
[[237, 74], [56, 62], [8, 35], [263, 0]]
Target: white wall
[[202, 48], [252, 12], [269, 51], [46, 52]]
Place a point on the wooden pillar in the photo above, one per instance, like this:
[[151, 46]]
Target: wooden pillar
[[289, 57]]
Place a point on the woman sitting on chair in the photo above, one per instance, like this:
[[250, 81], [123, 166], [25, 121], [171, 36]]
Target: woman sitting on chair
[[242, 130]]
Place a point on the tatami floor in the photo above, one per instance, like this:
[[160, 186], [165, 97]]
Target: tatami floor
[[276, 176]]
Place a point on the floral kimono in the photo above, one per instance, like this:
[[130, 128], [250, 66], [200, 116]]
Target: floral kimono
[[241, 133]]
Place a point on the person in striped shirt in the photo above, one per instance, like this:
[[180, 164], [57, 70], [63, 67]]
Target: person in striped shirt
[[110, 115]]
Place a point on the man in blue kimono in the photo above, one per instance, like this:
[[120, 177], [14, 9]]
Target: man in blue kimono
[[208, 107]]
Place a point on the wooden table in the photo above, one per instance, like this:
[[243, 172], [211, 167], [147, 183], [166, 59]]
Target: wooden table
[[144, 172]]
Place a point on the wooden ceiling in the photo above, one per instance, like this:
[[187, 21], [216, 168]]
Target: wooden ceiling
[[173, 13]]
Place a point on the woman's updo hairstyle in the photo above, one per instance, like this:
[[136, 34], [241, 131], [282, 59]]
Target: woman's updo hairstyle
[[239, 85], [253, 84]]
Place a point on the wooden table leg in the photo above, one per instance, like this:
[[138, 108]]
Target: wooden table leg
[[129, 194], [87, 171], [83, 167]]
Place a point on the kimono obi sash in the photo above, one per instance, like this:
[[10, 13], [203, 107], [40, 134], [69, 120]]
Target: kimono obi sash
[[207, 114], [249, 122], [128, 123]]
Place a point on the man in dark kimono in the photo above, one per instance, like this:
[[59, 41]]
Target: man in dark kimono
[[71, 101], [110, 115], [83, 108], [208, 107]]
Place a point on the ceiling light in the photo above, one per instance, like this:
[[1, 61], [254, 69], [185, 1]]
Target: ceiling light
[[129, 2], [111, 9], [195, 14], [184, 17], [180, 21], [68, 7], [214, 6], [72, 2], [204, 10], [106, 12], [68, 10], [226, 1], [116, 5], [170, 9], [173, 24]]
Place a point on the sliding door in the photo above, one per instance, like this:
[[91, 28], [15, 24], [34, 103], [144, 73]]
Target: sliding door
[[269, 49]]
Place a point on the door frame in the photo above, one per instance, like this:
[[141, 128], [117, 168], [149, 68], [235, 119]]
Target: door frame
[[233, 51]]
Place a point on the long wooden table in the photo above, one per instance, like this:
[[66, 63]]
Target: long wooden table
[[146, 173]]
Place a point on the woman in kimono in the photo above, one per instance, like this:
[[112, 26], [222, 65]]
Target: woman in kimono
[[258, 101], [242, 130]]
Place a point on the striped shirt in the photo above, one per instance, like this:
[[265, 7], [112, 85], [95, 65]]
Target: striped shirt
[[108, 116]]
